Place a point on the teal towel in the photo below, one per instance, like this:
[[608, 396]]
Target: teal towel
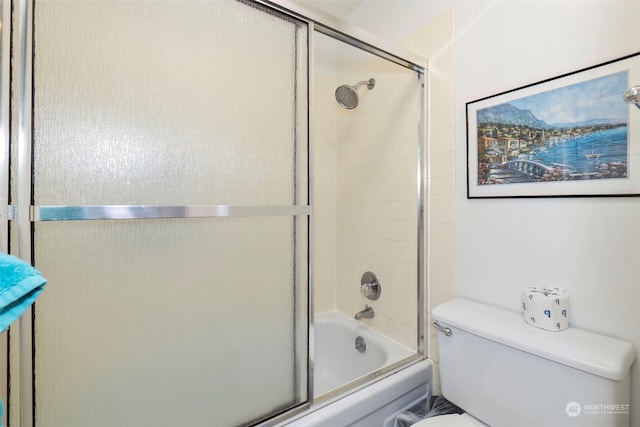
[[20, 285]]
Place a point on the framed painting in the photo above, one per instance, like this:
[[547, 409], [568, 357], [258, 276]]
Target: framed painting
[[574, 135]]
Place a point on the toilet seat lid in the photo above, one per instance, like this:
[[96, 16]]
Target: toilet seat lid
[[451, 420]]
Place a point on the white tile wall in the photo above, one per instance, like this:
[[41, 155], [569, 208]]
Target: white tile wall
[[324, 180], [377, 210], [370, 153]]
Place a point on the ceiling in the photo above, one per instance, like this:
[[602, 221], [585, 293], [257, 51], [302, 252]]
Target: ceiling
[[338, 8], [388, 19]]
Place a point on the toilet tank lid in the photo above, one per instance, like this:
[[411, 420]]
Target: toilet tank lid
[[590, 352]]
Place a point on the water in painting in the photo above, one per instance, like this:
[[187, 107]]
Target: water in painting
[[575, 132]]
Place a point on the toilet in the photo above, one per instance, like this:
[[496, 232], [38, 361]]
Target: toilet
[[503, 372]]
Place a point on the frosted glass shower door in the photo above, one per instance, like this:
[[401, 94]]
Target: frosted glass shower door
[[170, 213]]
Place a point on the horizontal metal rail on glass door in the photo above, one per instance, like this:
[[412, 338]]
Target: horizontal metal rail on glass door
[[111, 212]]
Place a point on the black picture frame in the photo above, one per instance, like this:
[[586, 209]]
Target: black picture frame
[[569, 136]]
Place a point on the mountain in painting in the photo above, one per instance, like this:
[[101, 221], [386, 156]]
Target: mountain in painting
[[507, 114]]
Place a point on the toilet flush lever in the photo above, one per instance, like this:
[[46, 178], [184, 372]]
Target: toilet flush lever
[[443, 329]]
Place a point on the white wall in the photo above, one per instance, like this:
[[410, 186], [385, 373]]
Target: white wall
[[588, 246]]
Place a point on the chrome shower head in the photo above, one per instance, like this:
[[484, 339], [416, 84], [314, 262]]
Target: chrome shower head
[[347, 96], [632, 96]]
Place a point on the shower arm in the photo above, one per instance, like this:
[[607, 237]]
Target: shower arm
[[370, 84]]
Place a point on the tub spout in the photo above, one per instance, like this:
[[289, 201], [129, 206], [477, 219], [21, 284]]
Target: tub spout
[[366, 313]]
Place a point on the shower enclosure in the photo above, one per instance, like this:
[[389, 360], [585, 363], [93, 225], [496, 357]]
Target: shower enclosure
[[366, 145], [157, 168]]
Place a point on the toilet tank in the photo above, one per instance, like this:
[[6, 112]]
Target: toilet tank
[[507, 373]]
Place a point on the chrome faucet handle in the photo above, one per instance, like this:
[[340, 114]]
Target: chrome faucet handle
[[369, 286]]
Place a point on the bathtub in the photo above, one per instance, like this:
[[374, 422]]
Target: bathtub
[[338, 362]]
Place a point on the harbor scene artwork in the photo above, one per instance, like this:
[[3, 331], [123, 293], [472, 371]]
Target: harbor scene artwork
[[574, 132]]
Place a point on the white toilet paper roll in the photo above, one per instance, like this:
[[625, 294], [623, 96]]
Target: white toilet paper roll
[[546, 308]]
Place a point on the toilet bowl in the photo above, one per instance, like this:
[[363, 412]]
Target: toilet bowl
[[452, 420]]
